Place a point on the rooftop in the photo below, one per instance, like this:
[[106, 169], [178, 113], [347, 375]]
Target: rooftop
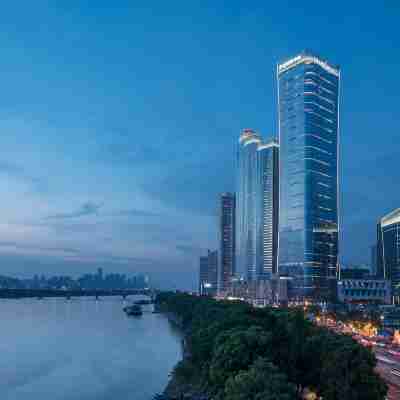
[[248, 136], [268, 144], [307, 57], [391, 218]]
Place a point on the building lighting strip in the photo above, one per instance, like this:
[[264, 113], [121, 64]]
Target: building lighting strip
[[391, 218], [306, 59]]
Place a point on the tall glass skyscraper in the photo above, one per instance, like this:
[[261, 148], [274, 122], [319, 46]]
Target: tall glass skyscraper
[[268, 209], [388, 251], [257, 207], [246, 204], [227, 241], [308, 105]]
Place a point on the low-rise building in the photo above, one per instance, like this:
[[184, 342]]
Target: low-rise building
[[364, 291], [355, 272], [261, 292], [390, 318]]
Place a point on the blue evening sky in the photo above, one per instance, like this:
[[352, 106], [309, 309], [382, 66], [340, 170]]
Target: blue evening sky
[[119, 122]]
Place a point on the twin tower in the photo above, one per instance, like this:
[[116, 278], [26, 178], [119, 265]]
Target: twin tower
[[286, 204]]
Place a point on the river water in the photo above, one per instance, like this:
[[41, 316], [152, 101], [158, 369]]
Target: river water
[[83, 349]]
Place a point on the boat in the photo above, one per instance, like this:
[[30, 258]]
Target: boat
[[134, 310], [143, 302]]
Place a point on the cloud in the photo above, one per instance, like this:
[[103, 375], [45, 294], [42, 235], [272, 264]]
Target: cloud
[[189, 249], [51, 249], [12, 169], [194, 187], [127, 154], [66, 252], [19, 173], [88, 208], [136, 213], [116, 259]]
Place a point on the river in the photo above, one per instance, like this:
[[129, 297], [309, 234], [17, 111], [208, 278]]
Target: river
[[83, 349]]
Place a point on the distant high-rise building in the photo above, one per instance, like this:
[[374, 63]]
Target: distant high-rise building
[[208, 274], [374, 260], [227, 241], [308, 105], [268, 209], [246, 204], [388, 251], [203, 274]]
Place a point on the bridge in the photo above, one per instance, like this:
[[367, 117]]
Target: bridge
[[69, 293]]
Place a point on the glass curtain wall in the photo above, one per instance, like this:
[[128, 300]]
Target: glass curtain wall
[[268, 207], [388, 249], [227, 242], [308, 136], [246, 204]]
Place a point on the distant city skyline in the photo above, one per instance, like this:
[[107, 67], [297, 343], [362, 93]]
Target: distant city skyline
[[97, 280], [119, 126]]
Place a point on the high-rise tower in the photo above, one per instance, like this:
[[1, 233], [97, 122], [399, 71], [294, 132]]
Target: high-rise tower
[[246, 204], [308, 105], [257, 207], [227, 241], [268, 209], [388, 250]]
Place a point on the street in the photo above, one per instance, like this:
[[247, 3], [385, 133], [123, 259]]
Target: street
[[389, 368], [387, 355]]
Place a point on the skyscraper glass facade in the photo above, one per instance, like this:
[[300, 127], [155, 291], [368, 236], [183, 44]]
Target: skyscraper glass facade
[[227, 241], [257, 207], [308, 105], [388, 251], [246, 204], [268, 208]]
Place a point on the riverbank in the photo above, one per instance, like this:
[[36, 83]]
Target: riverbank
[[179, 390], [232, 348], [180, 387]]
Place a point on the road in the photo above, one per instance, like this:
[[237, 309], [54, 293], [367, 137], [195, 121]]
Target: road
[[387, 365]]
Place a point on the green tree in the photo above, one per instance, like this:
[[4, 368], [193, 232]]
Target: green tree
[[225, 338], [262, 381], [236, 350], [348, 373]]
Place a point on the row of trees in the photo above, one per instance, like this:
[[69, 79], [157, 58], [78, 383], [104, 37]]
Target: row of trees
[[237, 352]]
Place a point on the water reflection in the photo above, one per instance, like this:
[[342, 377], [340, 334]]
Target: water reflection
[[83, 349]]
